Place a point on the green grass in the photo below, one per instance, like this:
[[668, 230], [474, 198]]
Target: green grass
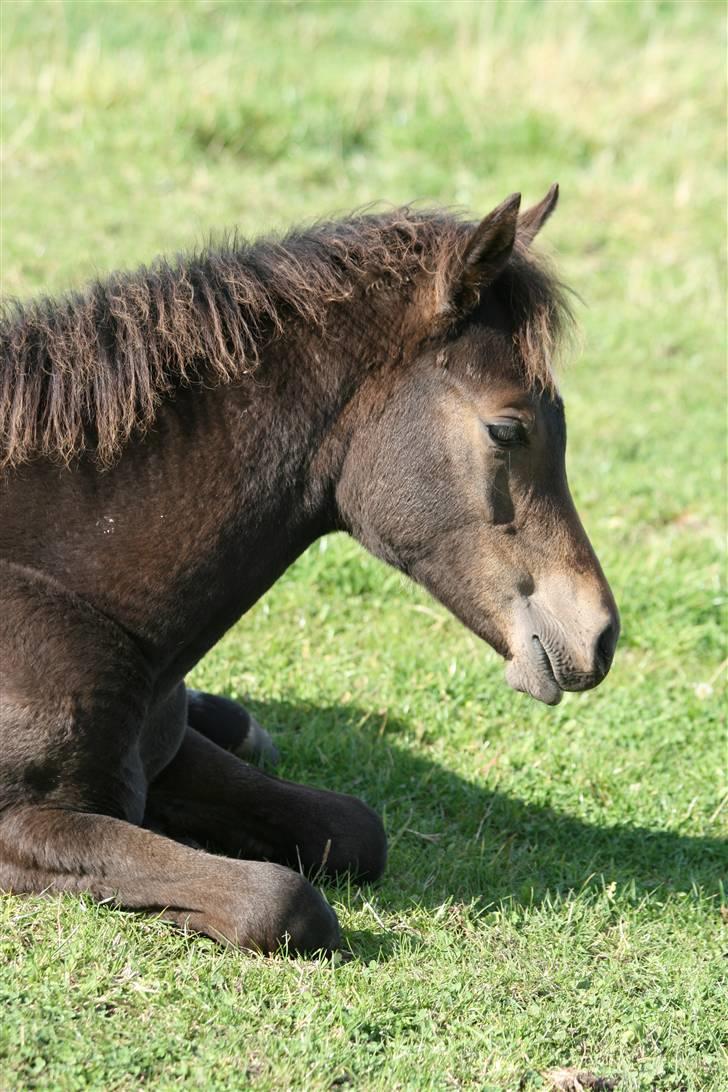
[[554, 889]]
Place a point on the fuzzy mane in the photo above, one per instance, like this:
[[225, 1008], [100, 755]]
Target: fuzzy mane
[[87, 370]]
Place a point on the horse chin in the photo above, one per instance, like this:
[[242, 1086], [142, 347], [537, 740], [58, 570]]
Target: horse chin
[[531, 673]]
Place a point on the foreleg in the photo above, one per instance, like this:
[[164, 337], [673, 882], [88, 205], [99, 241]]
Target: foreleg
[[248, 903], [209, 795]]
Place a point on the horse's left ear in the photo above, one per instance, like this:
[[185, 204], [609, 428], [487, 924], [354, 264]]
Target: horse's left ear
[[486, 251], [532, 220]]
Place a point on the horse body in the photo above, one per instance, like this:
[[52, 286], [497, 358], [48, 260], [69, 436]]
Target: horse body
[[401, 410]]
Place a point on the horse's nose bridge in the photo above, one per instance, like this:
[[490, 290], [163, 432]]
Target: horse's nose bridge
[[589, 611]]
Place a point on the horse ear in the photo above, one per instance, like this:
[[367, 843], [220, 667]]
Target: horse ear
[[532, 220], [486, 252]]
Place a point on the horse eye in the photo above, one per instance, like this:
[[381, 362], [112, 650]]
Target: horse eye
[[507, 434]]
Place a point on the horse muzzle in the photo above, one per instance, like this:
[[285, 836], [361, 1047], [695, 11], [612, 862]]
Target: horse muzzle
[[551, 655]]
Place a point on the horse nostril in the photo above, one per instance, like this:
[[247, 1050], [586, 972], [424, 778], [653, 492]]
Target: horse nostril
[[606, 644]]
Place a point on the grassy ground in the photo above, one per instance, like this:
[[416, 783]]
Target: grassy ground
[[553, 896]]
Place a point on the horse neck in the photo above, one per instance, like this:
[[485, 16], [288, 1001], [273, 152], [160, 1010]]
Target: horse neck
[[261, 471], [308, 384]]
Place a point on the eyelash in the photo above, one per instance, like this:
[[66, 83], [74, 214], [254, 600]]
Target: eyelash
[[510, 434]]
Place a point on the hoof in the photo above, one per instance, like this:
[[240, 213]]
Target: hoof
[[350, 838], [296, 916], [231, 727], [362, 852], [258, 746], [263, 908]]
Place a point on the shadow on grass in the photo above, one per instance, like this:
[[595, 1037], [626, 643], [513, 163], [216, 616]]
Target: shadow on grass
[[452, 839]]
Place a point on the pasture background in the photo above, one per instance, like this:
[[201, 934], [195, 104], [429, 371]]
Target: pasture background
[[554, 885]]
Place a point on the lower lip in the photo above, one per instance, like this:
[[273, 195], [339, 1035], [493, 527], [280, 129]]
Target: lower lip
[[544, 662]]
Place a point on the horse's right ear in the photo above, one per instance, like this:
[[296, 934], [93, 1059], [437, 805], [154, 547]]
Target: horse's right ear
[[533, 219], [486, 251]]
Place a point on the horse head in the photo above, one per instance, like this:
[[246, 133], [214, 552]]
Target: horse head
[[455, 472]]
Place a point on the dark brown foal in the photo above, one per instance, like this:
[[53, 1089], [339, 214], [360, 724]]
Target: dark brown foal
[[171, 440]]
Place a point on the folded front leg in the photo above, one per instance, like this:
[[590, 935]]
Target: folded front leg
[[248, 903], [209, 795]]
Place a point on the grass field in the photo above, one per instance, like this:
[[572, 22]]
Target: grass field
[[554, 890]]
